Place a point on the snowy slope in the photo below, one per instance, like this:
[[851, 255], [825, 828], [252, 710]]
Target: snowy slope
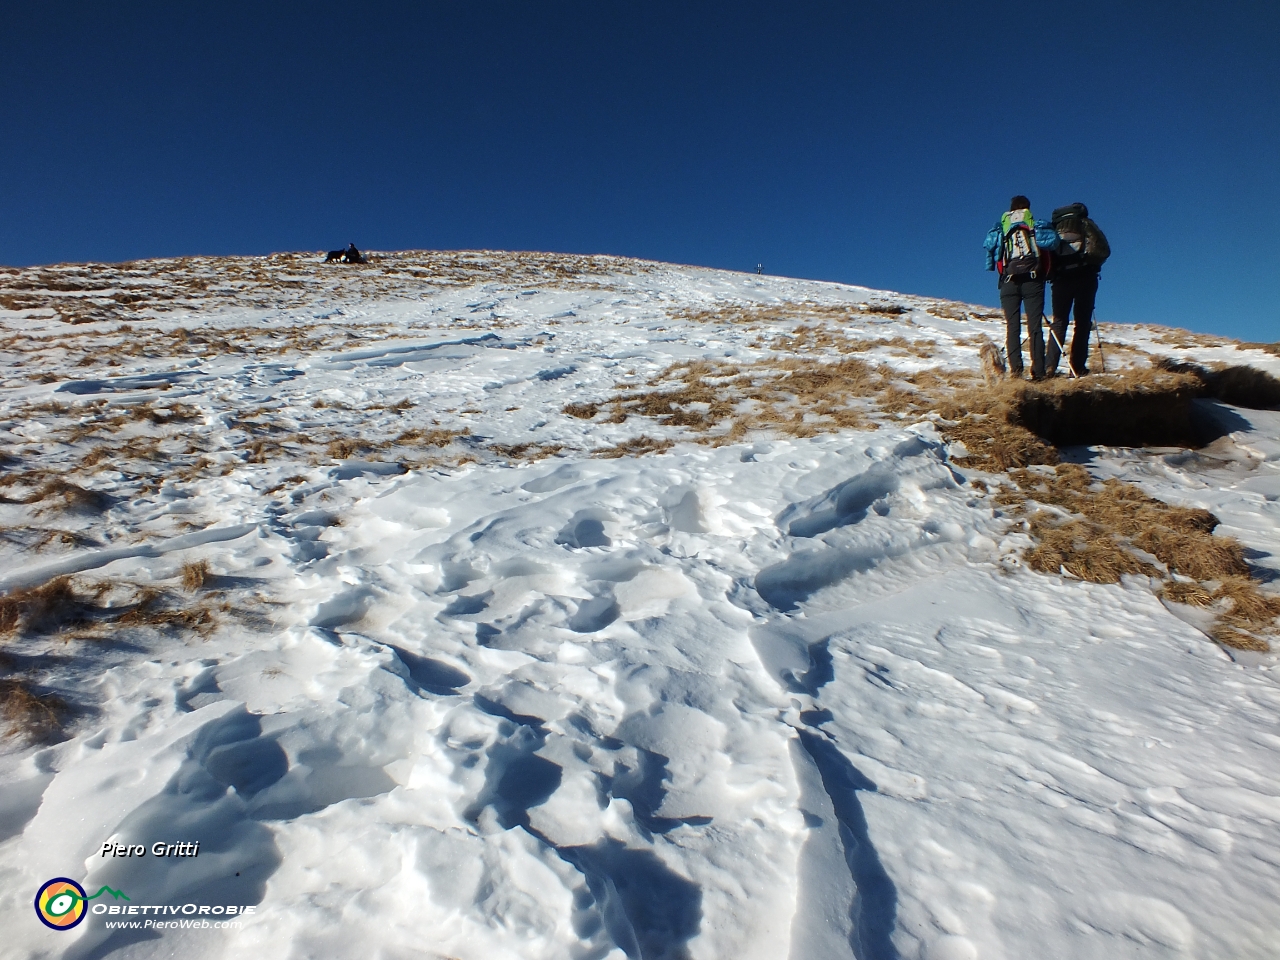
[[465, 687]]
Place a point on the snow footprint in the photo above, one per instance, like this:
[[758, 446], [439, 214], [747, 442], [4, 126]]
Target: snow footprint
[[586, 528]]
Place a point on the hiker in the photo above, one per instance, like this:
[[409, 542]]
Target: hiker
[[1018, 247], [1082, 249]]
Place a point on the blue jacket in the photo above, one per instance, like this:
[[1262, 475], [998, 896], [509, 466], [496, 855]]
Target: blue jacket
[[1046, 239]]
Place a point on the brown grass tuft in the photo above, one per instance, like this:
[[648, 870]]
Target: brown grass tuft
[[96, 456], [429, 438], [41, 609], [637, 446], [1192, 594], [526, 451], [156, 609], [30, 715], [1082, 549], [1271, 348], [1252, 614], [194, 575], [70, 497], [346, 447], [1229, 636], [993, 444]]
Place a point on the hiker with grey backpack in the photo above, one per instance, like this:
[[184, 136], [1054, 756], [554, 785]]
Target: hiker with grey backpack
[[1082, 250], [1018, 247]]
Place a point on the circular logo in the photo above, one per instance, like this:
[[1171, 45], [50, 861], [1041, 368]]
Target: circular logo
[[60, 904]]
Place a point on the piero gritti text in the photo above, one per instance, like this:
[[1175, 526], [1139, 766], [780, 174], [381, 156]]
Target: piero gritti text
[[158, 849]]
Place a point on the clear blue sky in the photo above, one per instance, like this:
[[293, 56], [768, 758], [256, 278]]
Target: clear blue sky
[[872, 143]]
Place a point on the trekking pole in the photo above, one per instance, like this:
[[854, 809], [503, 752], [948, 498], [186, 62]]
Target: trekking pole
[[1062, 351], [1097, 329]]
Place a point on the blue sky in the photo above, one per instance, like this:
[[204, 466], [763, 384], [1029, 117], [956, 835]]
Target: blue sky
[[871, 143]]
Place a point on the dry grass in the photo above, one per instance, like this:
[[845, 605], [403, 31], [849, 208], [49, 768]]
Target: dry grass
[[963, 312], [802, 395], [758, 314], [721, 402], [194, 575], [123, 294], [1271, 348], [43, 609], [526, 451], [96, 456], [1186, 340], [1103, 531], [429, 437], [1084, 550], [30, 715], [636, 446], [993, 444], [583, 411], [344, 448], [154, 608], [1179, 538], [69, 497], [173, 413], [262, 450], [63, 605], [1005, 423], [200, 467], [809, 339], [41, 537], [1250, 616]]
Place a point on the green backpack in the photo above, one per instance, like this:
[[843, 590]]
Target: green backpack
[[1019, 253]]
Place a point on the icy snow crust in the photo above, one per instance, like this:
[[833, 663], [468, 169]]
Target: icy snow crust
[[779, 698]]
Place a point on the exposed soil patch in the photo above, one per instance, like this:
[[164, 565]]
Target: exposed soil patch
[[1239, 386], [1129, 410]]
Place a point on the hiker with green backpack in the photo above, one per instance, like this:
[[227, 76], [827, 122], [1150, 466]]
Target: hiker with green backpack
[[1082, 249], [1018, 246]]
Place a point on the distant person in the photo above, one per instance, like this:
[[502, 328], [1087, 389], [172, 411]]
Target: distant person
[[349, 255], [1082, 249], [1017, 246]]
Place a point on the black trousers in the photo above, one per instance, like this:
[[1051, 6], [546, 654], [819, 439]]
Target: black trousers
[[1015, 293], [1077, 290]]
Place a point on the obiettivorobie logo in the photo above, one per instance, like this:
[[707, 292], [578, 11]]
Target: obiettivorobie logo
[[62, 903]]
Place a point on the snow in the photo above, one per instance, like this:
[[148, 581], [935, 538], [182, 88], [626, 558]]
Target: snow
[[792, 696]]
